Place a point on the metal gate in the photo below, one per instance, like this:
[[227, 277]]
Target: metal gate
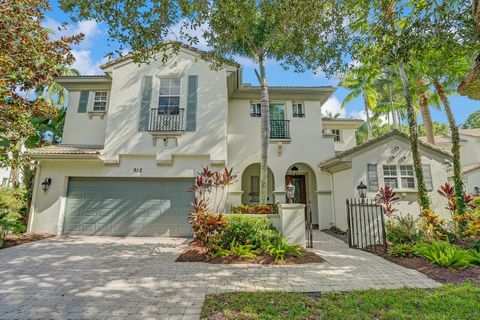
[[309, 226], [366, 225]]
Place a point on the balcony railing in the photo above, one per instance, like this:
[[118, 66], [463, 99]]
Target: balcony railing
[[166, 120], [279, 129]]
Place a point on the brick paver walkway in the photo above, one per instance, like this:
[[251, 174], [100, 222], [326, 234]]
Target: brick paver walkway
[[137, 278]]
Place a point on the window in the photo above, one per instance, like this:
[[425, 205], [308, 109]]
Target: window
[[392, 173], [298, 110], [169, 95], [390, 176], [100, 101], [255, 110], [336, 135], [407, 177]]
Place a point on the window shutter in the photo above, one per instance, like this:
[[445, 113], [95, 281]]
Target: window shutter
[[145, 102], [191, 122], [427, 176], [83, 102], [372, 177]]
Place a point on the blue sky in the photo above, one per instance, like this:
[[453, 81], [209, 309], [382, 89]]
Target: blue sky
[[90, 54]]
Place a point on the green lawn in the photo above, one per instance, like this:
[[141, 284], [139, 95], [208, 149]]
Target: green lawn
[[448, 302]]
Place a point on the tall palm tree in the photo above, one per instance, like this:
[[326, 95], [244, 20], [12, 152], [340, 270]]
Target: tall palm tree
[[360, 80]]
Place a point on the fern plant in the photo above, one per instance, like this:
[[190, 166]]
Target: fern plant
[[243, 250], [280, 248], [444, 254]]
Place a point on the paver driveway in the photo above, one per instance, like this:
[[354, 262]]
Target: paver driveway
[[123, 278]]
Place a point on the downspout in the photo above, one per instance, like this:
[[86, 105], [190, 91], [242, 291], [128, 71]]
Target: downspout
[[332, 199], [34, 196]]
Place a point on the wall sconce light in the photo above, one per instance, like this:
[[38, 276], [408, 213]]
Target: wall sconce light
[[46, 184], [362, 191], [294, 169]]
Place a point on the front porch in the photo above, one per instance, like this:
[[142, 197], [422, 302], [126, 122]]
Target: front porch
[[310, 189]]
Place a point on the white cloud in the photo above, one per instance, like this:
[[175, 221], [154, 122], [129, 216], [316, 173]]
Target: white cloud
[[358, 114], [333, 105], [84, 61]]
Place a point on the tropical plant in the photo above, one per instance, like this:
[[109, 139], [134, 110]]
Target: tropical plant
[[280, 249], [247, 251], [254, 209], [432, 225], [207, 228], [387, 197], [361, 81], [444, 254], [402, 230], [402, 250], [12, 209]]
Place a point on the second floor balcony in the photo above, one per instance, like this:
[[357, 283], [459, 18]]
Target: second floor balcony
[[279, 129], [167, 120]]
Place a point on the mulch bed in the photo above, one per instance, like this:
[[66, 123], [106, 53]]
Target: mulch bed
[[441, 274], [196, 253], [12, 240]]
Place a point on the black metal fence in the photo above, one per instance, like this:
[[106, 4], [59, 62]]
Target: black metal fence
[[166, 119], [366, 225]]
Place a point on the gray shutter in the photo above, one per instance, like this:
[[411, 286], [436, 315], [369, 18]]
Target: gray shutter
[[372, 177], [191, 122], [83, 102], [427, 176], [145, 103]]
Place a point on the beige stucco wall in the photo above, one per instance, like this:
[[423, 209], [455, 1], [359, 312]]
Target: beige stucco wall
[[79, 127], [345, 182], [122, 135], [472, 180], [307, 146]]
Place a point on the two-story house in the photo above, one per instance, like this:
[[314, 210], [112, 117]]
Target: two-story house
[[135, 137]]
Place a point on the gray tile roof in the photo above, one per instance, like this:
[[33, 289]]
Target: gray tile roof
[[67, 149]]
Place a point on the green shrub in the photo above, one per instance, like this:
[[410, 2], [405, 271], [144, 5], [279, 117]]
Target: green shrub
[[444, 254], [401, 250], [475, 256], [243, 250], [402, 230], [12, 210], [246, 229]]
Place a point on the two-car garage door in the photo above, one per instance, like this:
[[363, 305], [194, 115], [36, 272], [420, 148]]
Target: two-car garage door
[[128, 207]]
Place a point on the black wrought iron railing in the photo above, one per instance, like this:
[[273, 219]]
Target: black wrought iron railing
[[279, 129], [166, 119]]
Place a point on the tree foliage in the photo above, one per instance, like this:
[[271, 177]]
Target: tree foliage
[[29, 60], [473, 121]]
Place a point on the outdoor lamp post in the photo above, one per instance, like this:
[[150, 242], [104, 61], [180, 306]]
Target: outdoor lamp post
[[290, 192], [362, 191], [46, 184]]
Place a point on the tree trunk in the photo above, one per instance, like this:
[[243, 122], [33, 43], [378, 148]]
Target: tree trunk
[[367, 113], [426, 116], [423, 198], [264, 132], [392, 109], [457, 167]]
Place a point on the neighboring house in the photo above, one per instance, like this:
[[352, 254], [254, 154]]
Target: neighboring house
[[469, 156], [5, 174], [135, 138], [382, 161]]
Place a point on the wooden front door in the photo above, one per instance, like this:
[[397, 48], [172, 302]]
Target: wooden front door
[[300, 188]]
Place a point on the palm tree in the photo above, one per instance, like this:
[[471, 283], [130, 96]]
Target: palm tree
[[361, 81]]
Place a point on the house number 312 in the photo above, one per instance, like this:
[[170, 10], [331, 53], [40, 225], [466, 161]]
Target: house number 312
[[137, 170]]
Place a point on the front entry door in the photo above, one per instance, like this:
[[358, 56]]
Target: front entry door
[[298, 181]]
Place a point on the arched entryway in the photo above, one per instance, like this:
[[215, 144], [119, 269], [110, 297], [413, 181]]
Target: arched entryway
[[251, 184], [304, 179]]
